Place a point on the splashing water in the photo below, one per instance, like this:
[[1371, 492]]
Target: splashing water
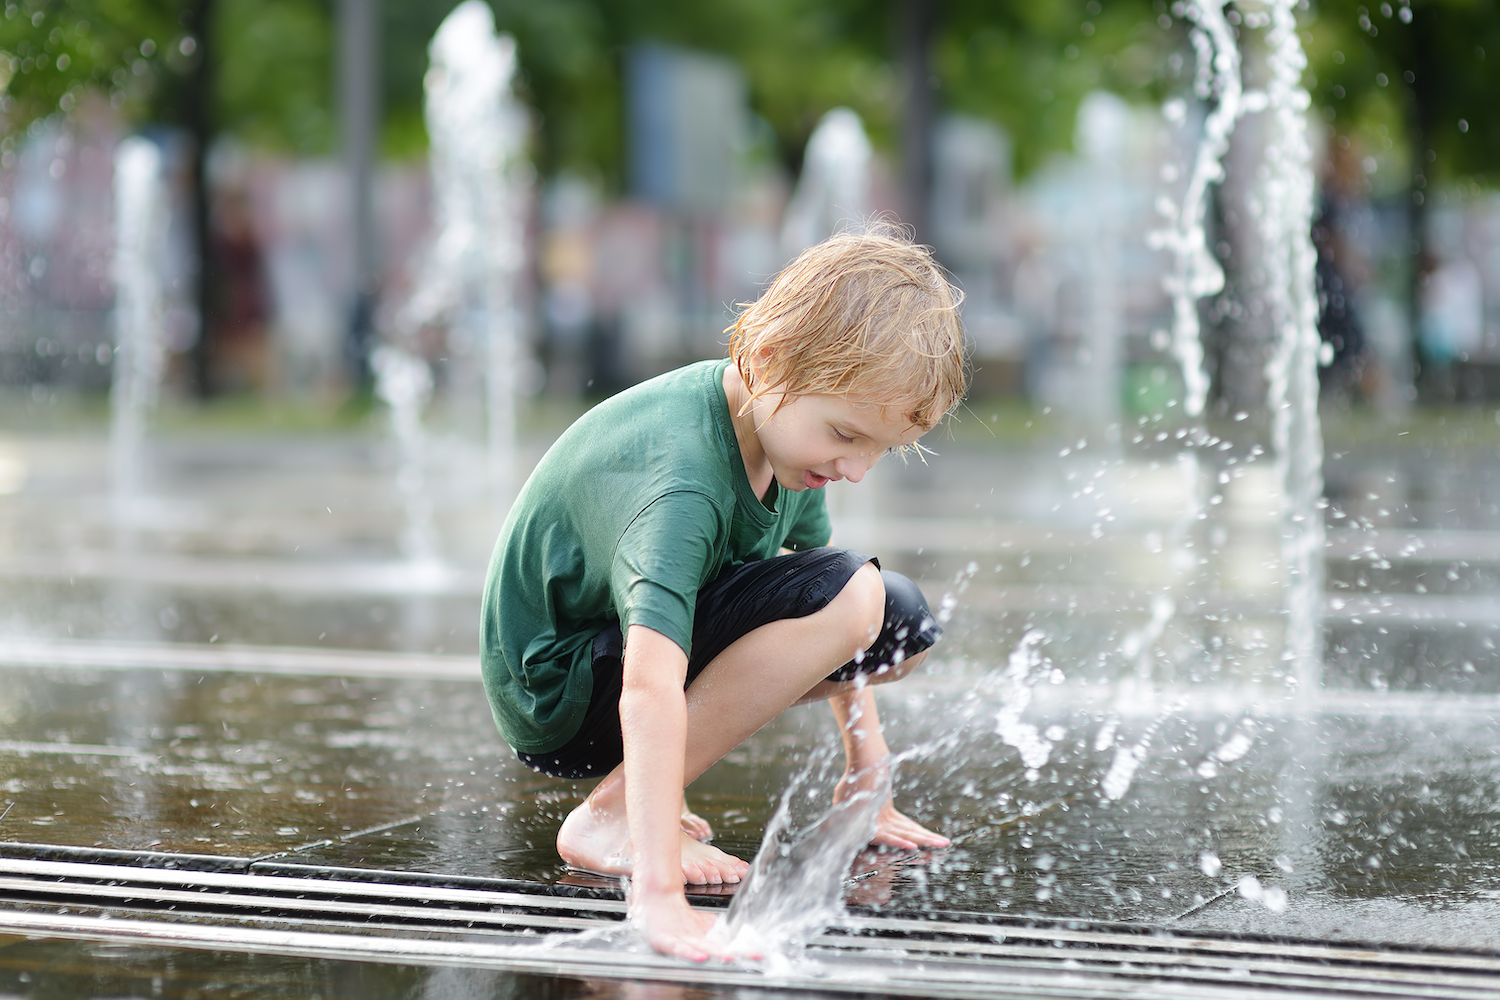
[[1024, 668], [796, 883], [1235, 746], [1194, 275], [1128, 760], [1282, 202], [140, 239]]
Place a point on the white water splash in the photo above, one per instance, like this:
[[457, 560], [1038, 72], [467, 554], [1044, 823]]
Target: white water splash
[[1238, 743], [1024, 668], [949, 603], [1273, 898], [140, 240], [1105, 737], [1116, 781], [1128, 760], [796, 883], [1137, 645]]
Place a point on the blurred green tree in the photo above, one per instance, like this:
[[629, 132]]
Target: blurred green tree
[[1416, 69], [266, 64]]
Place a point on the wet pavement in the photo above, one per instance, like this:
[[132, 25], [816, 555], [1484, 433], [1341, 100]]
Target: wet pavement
[[266, 692], [1365, 822]]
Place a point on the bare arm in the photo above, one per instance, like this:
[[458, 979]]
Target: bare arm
[[867, 762], [653, 723]]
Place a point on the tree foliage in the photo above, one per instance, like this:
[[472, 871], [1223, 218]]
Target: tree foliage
[[1375, 71], [1415, 83]]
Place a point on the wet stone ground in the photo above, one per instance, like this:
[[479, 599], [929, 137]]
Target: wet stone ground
[[1180, 789], [1353, 823]]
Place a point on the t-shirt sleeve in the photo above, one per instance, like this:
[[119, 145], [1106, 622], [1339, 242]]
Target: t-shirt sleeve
[[812, 528], [661, 560]]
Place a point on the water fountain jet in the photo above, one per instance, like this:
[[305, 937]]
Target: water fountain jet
[[470, 276], [140, 240]]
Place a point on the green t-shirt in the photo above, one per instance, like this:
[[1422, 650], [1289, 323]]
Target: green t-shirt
[[635, 507]]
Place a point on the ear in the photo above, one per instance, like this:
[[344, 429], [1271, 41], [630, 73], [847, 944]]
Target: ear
[[756, 362]]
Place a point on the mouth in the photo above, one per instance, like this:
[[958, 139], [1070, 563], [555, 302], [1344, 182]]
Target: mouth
[[813, 481]]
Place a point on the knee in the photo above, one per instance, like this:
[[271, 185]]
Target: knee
[[862, 606], [905, 603], [884, 674]]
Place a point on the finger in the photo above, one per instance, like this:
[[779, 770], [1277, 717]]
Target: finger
[[681, 948], [928, 838], [886, 838]]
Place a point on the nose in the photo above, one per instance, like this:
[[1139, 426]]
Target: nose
[[854, 469]]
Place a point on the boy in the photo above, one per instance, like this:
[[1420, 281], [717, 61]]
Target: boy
[[639, 622]]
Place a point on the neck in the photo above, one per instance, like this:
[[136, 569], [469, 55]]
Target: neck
[[742, 417]]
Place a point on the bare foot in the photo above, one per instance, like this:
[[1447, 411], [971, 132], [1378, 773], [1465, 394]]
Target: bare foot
[[695, 826], [595, 838]]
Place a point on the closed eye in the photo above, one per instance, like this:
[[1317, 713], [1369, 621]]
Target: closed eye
[[842, 436]]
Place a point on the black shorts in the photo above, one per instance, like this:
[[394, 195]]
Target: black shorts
[[741, 600]]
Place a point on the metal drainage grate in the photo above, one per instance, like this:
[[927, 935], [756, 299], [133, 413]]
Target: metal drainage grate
[[433, 925]]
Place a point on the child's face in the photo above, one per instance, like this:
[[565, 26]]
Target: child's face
[[813, 440]]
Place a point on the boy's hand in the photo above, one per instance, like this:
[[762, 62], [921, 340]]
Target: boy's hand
[[673, 928], [893, 828]]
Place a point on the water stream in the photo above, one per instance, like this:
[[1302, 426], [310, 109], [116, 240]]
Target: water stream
[[784, 899], [469, 282], [140, 239]]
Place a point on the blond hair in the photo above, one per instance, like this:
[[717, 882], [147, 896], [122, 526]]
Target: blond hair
[[867, 315]]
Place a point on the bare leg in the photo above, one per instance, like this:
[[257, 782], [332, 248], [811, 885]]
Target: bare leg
[[749, 684]]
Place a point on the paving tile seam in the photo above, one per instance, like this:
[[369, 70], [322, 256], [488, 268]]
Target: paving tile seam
[[327, 841], [395, 577]]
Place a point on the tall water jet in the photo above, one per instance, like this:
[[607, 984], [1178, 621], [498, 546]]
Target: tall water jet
[[833, 192], [140, 240], [1285, 194], [1281, 201], [404, 383], [1193, 274], [833, 195], [469, 279]]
